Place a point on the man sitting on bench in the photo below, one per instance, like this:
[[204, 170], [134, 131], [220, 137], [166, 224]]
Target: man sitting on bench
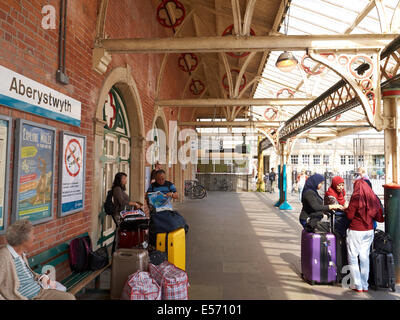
[[18, 281], [162, 185]]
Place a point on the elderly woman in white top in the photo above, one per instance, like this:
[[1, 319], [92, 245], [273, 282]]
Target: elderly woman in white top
[[18, 281]]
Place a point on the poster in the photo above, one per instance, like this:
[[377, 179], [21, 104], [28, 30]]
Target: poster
[[5, 126], [72, 173], [34, 172]]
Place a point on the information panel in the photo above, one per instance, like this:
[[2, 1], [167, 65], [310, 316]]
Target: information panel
[[5, 135], [34, 172], [72, 173]]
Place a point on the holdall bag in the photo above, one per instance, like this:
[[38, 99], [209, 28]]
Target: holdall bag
[[98, 259], [140, 286], [79, 254], [173, 281], [167, 221], [382, 242]]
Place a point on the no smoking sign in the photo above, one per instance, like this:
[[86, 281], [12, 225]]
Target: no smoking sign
[[73, 157]]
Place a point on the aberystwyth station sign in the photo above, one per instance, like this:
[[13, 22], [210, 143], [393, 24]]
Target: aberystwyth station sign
[[20, 92]]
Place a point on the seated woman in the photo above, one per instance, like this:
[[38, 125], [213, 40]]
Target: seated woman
[[313, 205], [18, 281], [120, 197], [364, 207], [336, 195]]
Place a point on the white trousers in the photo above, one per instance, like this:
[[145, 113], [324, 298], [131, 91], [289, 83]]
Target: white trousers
[[358, 245]]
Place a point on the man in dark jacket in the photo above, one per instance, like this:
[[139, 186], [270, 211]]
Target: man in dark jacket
[[271, 177]]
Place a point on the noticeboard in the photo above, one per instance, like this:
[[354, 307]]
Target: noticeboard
[[5, 137], [33, 193], [72, 164]]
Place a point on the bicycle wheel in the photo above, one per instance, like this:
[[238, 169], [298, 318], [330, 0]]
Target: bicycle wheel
[[199, 192]]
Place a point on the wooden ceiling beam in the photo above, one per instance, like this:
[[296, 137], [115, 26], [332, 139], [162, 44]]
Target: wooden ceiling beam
[[342, 43]]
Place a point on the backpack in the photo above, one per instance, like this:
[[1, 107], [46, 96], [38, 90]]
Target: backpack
[[79, 253], [109, 206]]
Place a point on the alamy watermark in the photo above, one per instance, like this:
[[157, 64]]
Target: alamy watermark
[[49, 19]]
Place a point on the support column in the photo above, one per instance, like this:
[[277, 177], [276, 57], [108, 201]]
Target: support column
[[284, 205], [260, 167], [391, 115]]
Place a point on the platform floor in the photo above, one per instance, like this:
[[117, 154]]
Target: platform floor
[[240, 246]]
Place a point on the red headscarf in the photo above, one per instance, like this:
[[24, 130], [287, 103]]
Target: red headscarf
[[368, 203], [332, 191]]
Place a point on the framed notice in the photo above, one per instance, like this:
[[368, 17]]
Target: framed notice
[[72, 164], [5, 137], [34, 172]]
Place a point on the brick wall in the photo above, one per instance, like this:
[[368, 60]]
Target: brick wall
[[28, 49]]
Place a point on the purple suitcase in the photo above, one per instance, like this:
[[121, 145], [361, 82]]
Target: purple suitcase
[[318, 257]]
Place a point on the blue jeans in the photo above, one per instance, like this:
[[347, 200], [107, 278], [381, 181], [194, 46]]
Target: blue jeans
[[300, 192], [358, 245]]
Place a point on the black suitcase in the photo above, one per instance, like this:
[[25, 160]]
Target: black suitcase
[[341, 256], [382, 272]]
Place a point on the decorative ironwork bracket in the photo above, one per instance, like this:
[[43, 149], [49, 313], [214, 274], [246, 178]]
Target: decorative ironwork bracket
[[362, 73]]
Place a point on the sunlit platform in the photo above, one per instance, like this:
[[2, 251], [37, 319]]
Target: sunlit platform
[[240, 246]]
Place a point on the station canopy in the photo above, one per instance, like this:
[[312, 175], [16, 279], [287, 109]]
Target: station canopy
[[309, 79]]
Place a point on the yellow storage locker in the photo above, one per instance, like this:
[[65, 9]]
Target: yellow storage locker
[[176, 246]]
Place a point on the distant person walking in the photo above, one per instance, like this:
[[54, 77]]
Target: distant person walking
[[301, 181], [271, 177]]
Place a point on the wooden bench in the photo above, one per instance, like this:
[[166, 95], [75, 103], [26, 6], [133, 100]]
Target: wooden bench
[[76, 281]]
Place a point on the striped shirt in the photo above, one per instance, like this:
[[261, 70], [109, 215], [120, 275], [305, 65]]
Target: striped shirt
[[28, 286], [165, 188]]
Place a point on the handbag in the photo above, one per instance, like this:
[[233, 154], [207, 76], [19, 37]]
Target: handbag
[[316, 226], [98, 259]]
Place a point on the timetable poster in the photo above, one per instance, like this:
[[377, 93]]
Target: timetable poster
[[3, 167], [36, 176], [72, 164]]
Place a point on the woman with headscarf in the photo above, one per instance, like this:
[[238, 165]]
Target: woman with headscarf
[[313, 205], [336, 195], [364, 207]]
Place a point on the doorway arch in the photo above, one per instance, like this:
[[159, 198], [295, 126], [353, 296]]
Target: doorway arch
[[120, 85]]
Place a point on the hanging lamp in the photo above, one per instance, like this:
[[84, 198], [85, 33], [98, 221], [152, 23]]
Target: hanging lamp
[[286, 61]]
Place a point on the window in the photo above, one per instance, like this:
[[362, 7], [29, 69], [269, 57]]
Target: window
[[317, 159], [326, 159], [343, 160], [294, 159], [351, 160], [306, 158], [360, 160]]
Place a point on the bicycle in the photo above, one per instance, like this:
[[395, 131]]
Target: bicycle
[[195, 190]]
